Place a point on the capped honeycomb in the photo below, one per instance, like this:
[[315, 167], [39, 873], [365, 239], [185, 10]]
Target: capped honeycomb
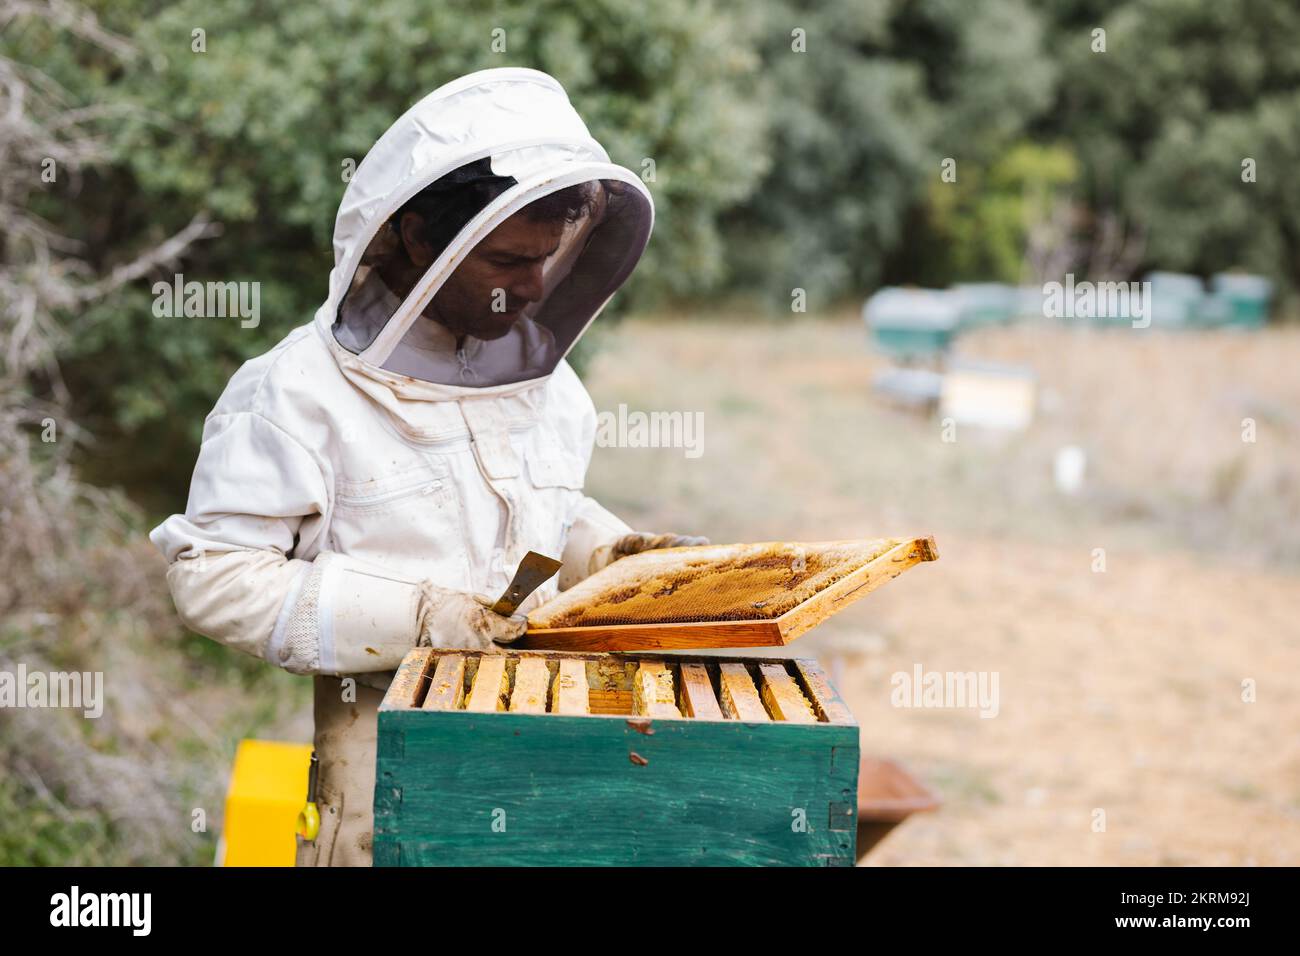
[[745, 582]]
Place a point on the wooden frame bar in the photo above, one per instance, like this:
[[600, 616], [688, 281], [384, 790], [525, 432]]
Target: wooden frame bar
[[652, 691], [532, 682], [447, 688], [782, 696], [721, 634], [570, 693], [408, 683], [739, 698], [823, 697], [698, 699], [794, 691], [491, 689]]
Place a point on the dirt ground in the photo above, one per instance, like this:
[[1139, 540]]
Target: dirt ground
[[1125, 733]]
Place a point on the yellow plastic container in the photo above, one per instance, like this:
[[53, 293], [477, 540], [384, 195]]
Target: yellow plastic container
[[268, 786]]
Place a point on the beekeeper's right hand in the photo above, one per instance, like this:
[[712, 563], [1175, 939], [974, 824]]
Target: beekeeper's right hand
[[332, 615], [459, 619]]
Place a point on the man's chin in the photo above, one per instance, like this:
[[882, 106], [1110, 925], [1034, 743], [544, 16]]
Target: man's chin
[[496, 326]]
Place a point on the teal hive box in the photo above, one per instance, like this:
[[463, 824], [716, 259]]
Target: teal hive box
[[1213, 311], [912, 323], [1176, 301], [613, 759], [986, 303], [1248, 298], [912, 342]]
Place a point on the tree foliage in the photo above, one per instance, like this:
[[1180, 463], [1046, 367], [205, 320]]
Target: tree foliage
[[793, 146]]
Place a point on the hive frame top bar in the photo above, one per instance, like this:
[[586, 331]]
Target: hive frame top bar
[[633, 687], [901, 554]]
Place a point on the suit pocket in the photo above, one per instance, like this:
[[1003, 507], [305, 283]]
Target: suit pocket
[[396, 492], [415, 511], [554, 489], [554, 468]]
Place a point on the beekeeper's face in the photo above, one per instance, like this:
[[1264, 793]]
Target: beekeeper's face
[[497, 280], [515, 293]]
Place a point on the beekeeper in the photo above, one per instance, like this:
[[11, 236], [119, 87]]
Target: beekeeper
[[371, 483]]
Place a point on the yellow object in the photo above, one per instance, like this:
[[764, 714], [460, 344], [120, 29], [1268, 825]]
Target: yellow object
[[268, 787], [309, 821]]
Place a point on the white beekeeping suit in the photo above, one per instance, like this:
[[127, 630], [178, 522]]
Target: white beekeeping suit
[[358, 484]]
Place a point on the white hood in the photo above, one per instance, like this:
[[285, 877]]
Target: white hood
[[522, 123]]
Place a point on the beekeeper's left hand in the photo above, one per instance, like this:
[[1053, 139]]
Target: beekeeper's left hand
[[639, 541]]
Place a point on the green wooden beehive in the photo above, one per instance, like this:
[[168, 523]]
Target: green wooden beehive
[[561, 758]]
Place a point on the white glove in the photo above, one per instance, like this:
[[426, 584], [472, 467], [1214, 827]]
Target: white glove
[[452, 618], [635, 543], [345, 616]]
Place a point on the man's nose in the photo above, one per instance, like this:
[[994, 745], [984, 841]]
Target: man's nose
[[530, 285]]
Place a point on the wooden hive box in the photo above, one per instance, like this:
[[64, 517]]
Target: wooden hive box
[[565, 758]]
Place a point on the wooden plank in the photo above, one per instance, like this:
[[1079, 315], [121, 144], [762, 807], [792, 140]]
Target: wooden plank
[[491, 685], [532, 678], [609, 673], [653, 637], [823, 697], [739, 698], [610, 701], [569, 693], [698, 699], [447, 688], [652, 691], [408, 682], [614, 668], [782, 696], [855, 586]]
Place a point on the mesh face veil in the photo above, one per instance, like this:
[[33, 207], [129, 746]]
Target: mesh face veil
[[489, 275]]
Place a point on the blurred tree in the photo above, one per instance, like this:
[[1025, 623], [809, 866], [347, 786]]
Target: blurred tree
[[989, 75], [989, 69], [792, 147], [984, 221], [257, 128], [1185, 92], [74, 590], [861, 121], [850, 130]]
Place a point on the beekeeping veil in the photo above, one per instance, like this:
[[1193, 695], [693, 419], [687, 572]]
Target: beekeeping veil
[[467, 158]]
